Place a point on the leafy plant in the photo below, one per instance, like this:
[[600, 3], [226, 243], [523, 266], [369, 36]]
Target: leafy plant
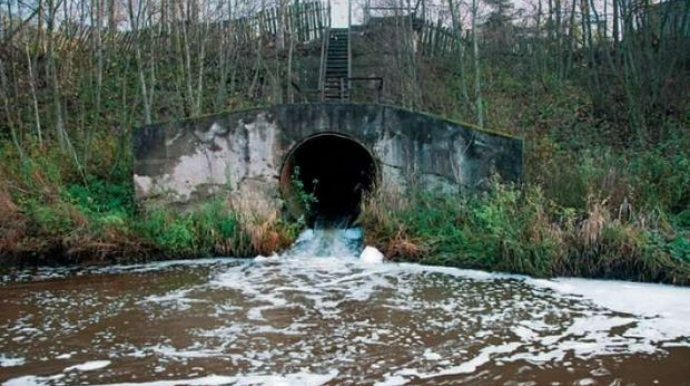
[[306, 200]]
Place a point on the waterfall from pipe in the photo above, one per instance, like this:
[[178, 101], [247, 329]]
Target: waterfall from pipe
[[327, 242]]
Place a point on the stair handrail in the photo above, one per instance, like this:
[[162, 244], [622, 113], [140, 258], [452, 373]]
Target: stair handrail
[[347, 91]]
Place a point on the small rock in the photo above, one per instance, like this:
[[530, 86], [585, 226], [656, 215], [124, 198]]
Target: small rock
[[273, 257], [371, 255]]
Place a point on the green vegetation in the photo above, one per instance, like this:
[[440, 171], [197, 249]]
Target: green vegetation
[[53, 214], [305, 200], [618, 216]]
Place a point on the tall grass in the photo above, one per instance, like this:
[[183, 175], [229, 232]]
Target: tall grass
[[51, 214], [521, 230]]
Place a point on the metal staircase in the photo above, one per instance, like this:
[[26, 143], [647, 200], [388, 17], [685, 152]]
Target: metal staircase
[[336, 78]]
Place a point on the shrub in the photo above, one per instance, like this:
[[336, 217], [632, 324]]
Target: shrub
[[522, 231]]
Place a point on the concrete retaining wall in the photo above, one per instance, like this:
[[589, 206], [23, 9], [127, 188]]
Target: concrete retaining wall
[[240, 154]]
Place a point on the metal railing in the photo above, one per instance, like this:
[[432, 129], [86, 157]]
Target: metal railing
[[347, 89]]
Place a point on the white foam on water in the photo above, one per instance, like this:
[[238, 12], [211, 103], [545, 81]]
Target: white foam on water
[[51, 273], [298, 379], [392, 380], [32, 380], [662, 310], [181, 297], [7, 361], [272, 257], [88, 366], [338, 312], [589, 333], [169, 351], [471, 274], [484, 357], [431, 356]]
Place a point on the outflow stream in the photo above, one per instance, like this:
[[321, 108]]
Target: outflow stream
[[318, 315]]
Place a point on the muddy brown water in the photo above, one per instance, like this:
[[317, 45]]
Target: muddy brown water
[[304, 320]]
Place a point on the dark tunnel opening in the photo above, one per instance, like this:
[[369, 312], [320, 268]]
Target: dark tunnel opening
[[335, 170]]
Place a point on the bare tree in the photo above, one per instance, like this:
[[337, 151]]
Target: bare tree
[[477, 66]]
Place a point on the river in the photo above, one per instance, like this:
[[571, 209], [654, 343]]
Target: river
[[317, 315]]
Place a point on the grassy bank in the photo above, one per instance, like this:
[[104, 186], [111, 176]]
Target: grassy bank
[[616, 216], [592, 213], [53, 213]]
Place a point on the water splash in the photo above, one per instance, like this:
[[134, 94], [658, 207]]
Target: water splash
[[327, 242]]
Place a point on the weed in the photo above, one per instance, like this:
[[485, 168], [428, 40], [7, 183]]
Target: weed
[[306, 199], [521, 231]]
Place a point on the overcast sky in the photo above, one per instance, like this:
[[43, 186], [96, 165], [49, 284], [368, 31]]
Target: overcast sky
[[339, 9], [339, 13]]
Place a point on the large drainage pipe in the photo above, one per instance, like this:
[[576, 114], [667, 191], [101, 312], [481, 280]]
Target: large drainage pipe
[[325, 176]]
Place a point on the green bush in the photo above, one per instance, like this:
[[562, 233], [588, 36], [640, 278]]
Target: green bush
[[100, 196], [172, 233], [48, 219], [522, 231]]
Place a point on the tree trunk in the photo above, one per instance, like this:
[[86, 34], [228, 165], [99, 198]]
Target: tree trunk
[[477, 69]]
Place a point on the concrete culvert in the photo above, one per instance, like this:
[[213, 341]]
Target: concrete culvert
[[335, 170]]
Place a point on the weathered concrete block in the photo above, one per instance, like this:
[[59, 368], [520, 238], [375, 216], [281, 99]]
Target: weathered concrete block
[[242, 154]]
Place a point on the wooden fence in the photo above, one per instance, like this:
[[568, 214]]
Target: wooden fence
[[433, 39], [438, 40]]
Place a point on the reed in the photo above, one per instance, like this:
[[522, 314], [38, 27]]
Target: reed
[[520, 230]]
